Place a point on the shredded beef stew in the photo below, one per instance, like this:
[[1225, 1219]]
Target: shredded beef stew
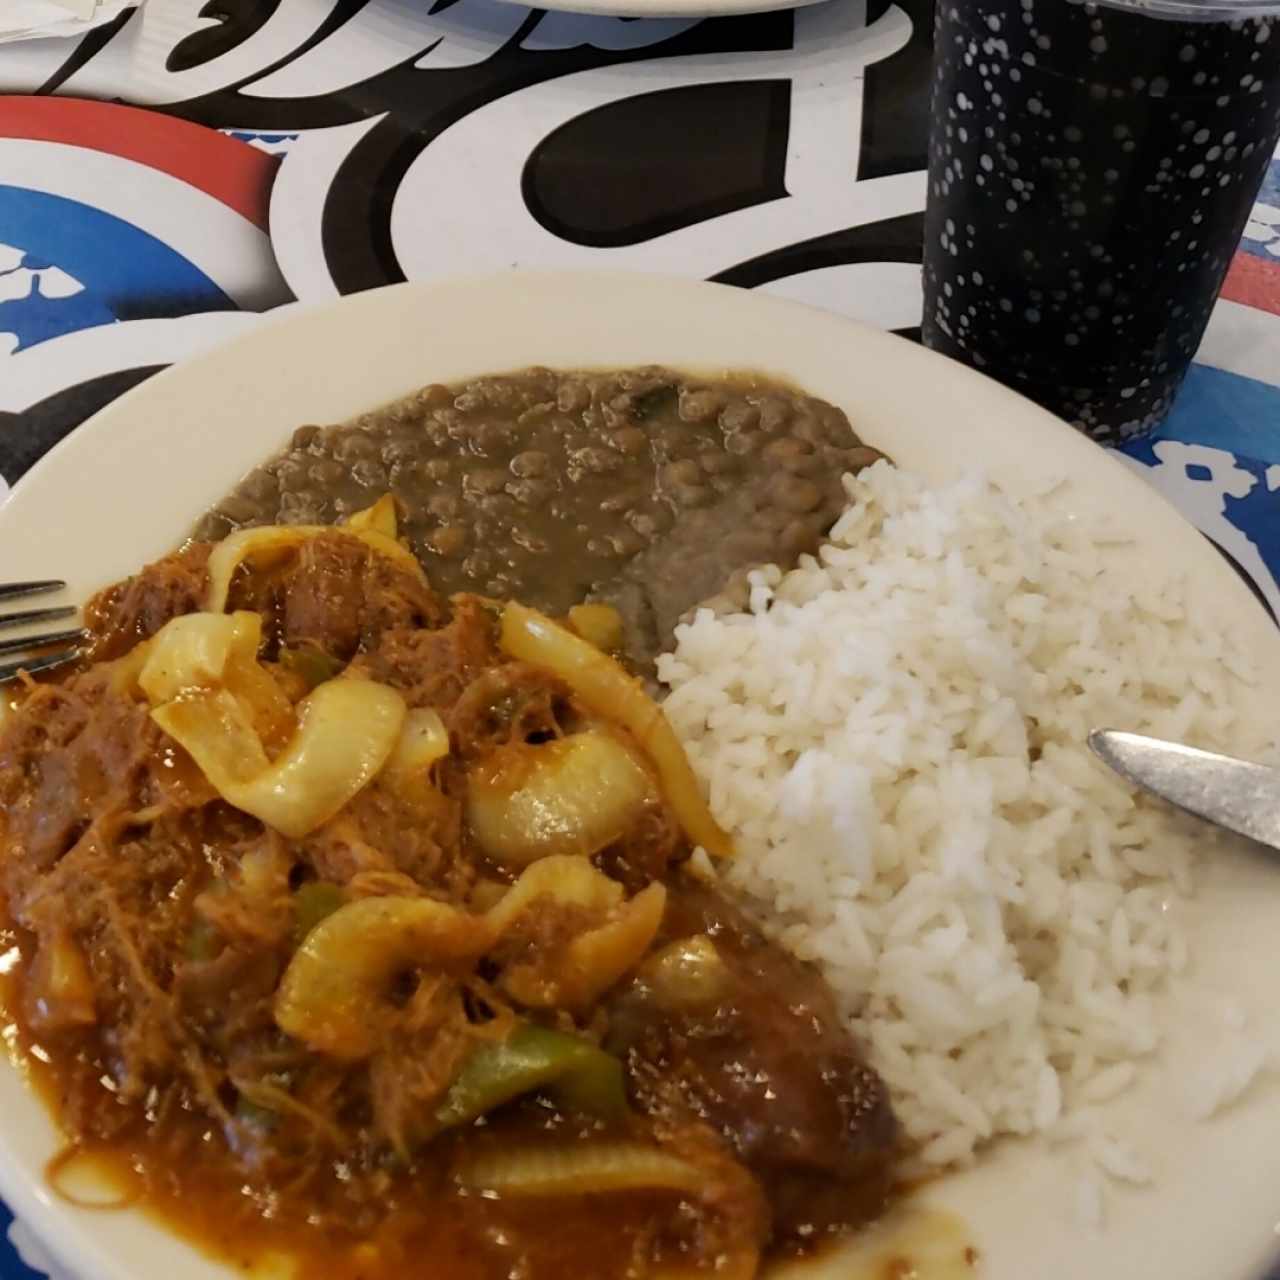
[[360, 924]]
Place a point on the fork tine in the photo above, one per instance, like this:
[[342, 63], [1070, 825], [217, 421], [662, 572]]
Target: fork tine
[[15, 590], [23, 644], [10, 669], [10, 620]]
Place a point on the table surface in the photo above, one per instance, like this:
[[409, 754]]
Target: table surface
[[168, 179]]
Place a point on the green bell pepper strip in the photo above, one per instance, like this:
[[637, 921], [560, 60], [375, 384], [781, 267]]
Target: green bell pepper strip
[[312, 903], [579, 1076], [312, 664]]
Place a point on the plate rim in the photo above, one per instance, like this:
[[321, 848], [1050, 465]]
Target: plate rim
[[300, 313]]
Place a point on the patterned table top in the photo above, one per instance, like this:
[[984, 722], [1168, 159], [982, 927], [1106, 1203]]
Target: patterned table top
[[168, 179]]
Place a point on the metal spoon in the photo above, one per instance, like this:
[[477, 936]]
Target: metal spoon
[[1236, 794]]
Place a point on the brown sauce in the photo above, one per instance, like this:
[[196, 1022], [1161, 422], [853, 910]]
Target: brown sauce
[[442, 1233], [344, 1222]]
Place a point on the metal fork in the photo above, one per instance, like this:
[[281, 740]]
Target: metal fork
[[40, 644]]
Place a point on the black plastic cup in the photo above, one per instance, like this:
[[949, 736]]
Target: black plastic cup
[[1091, 169]]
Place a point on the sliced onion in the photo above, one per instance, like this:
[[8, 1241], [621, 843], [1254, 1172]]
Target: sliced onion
[[598, 624], [381, 517], [608, 690], [215, 731], [192, 652], [208, 650], [264, 545], [573, 795], [270, 543], [74, 1175], [578, 1170], [122, 673], [423, 740], [60, 993], [347, 729], [570, 881], [593, 961], [335, 994], [687, 974], [598, 958], [267, 704], [615, 937]]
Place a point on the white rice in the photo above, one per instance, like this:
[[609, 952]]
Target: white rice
[[895, 733]]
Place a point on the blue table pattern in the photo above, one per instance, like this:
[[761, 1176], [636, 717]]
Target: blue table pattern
[[168, 180], [22, 1257]]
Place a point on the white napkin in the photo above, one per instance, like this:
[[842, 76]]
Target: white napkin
[[40, 19]]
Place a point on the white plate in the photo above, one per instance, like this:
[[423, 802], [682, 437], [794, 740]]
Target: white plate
[[127, 485]]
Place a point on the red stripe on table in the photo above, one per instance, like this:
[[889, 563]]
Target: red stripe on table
[[1253, 281], [230, 171]]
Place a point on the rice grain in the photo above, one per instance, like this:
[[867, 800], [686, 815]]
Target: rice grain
[[895, 733]]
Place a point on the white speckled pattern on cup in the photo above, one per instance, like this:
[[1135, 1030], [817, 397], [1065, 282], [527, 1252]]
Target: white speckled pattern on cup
[[1090, 172]]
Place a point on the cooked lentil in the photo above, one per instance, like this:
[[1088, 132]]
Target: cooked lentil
[[649, 488]]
